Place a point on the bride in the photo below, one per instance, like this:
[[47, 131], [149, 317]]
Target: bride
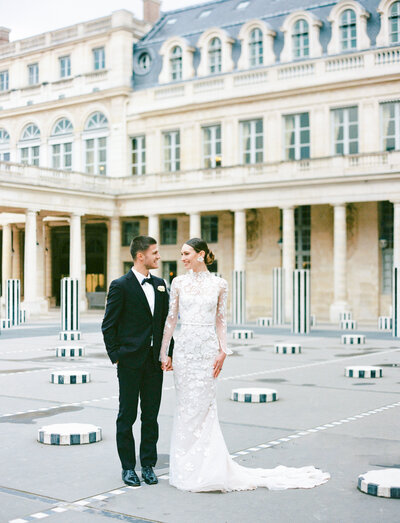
[[199, 458]]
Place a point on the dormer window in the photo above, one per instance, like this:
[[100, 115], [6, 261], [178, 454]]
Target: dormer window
[[256, 47], [176, 63], [348, 30], [301, 41], [144, 61], [394, 23], [215, 55]]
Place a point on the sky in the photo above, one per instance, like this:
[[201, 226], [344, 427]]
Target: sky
[[31, 17]]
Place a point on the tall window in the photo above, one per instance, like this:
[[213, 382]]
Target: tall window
[[61, 144], [297, 136], [345, 130], [139, 155], [394, 23], [348, 30], [301, 40], [172, 151], [209, 228], [65, 66], [176, 63], [302, 216], [390, 116], [256, 47], [99, 58], [4, 146], [29, 145], [33, 74], [215, 55], [386, 244], [95, 134], [212, 146], [130, 230], [3, 80], [251, 140], [169, 230]]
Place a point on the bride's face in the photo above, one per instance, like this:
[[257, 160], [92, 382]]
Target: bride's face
[[189, 257]]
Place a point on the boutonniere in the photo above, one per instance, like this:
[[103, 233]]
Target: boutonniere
[[161, 288]]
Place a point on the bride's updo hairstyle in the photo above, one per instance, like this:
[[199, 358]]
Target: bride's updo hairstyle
[[200, 245]]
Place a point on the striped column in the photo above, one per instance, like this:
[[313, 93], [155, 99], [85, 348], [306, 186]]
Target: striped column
[[288, 255], [301, 301], [70, 309], [278, 289], [239, 273], [13, 301], [396, 302]]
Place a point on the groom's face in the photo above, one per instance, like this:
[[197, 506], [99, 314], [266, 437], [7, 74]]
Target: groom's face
[[151, 257]]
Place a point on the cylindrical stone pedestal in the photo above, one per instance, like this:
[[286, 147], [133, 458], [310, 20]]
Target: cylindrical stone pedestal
[[348, 325], [242, 334], [69, 377], [287, 348], [385, 323], [239, 297], [278, 288], [13, 301], [301, 301], [5, 323], [254, 395], [365, 371], [353, 339], [69, 309], [382, 483], [264, 322], [69, 434], [70, 352]]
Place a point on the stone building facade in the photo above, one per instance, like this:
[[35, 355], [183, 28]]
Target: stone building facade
[[274, 133]]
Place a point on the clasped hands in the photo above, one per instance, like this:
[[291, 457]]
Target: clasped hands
[[166, 364]]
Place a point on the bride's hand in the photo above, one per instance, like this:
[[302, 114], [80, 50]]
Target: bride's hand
[[167, 364], [219, 363]]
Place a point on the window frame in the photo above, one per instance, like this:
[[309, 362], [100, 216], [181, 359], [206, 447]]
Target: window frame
[[300, 39], [65, 66], [175, 64], [210, 230], [396, 125], [4, 80], [253, 151], [172, 164], [169, 237], [346, 141], [256, 48], [99, 58], [125, 232], [138, 168], [214, 55], [215, 143], [297, 130], [33, 74], [346, 26]]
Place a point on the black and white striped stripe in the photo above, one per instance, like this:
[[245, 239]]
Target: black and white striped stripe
[[382, 483], [239, 297], [385, 323], [301, 301], [353, 339], [69, 434], [287, 348], [254, 395], [70, 352], [278, 306], [242, 334], [69, 304], [13, 301], [365, 371], [69, 377], [396, 302]]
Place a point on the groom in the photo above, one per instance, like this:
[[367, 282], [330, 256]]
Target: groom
[[133, 324]]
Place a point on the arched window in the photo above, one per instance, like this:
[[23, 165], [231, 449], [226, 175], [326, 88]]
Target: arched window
[[215, 56], [300, 39], [348, 30], [256, 48], [4, 146], [96, 131], [29, 145], [394, 23], [61, 144], [176, 63]]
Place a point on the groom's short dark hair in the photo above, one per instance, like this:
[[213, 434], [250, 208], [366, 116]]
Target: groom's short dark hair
[[141, 244]]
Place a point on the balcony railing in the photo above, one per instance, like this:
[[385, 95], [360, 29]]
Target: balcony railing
[[335, 168]]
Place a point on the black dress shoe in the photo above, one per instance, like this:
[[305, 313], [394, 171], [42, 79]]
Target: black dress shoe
[[130, 478], [148, 475]]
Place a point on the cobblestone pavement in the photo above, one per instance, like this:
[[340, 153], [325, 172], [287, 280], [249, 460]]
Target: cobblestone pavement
[[345, 426]]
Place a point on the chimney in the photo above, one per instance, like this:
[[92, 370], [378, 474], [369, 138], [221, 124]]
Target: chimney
[[4, 35], [151, 11]]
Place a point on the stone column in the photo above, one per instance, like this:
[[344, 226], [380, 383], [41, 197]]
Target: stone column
[[396, 234], [195, 225], [154, 231], [339, 262], [288, 257], [114, 249], [239, 269], [6, 258], [30, 263]]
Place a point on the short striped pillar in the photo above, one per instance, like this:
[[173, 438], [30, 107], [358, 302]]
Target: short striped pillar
[[13, 301], [5, 323], [301, 301], [69, 309], [69, 434], [385, 323], [353, 339], [239, 297], [254, 395], [278, 294], [348, 325], [264, 321], [396, 303], [242, 334], [345, 315]]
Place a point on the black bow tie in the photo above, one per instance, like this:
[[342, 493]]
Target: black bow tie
[[146, 280]]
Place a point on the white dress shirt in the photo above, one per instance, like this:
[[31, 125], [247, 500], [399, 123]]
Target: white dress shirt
[[148, 289]]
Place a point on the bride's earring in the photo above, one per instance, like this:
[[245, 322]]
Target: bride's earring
[[200, 259]]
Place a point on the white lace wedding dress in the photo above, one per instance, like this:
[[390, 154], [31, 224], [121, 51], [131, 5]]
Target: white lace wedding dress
[[199, 459]]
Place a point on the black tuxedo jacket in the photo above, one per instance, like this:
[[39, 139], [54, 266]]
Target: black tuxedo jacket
[[128, 324]]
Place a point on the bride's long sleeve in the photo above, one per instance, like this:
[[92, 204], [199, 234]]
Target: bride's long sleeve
[[171, 320], [221, 322]]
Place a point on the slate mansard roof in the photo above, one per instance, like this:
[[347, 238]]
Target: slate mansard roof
[[224, 14]]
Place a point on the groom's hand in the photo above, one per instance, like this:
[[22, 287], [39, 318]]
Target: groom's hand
[[167, 364]]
